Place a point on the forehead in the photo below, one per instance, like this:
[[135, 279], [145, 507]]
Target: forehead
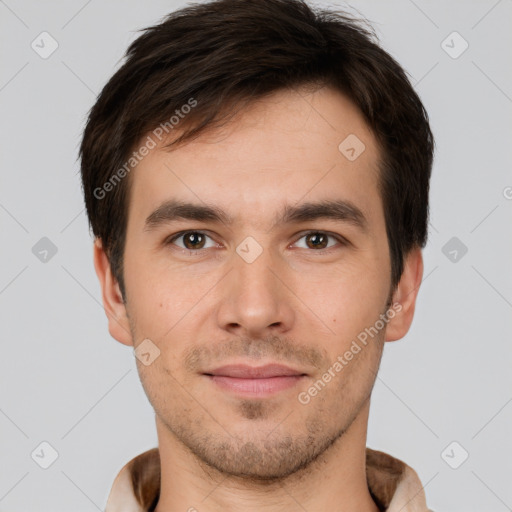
[[288, 147]]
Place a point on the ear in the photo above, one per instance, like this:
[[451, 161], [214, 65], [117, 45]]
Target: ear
[[115, 309], [405, 295]]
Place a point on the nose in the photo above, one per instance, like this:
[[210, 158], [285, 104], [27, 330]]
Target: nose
[[256, 299]]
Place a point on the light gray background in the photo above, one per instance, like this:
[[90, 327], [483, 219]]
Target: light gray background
[[65, 381]]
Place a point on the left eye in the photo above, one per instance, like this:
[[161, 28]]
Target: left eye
[[317, 240]]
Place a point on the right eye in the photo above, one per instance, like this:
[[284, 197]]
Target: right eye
[[191, 240]]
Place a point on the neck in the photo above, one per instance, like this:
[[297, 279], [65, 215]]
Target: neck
[[336, 480]]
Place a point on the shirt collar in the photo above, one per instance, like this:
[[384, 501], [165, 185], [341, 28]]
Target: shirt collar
[[393, 485]]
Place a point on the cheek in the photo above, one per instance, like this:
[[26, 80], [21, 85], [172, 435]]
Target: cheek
[[346, 300], [153, 301]]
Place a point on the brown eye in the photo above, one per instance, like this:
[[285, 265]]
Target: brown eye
[[317, 240], [191, 240]]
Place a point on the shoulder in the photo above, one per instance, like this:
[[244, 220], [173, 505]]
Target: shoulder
[[394, 484], [137, 484]]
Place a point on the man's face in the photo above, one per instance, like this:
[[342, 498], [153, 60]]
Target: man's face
[[260, 290]]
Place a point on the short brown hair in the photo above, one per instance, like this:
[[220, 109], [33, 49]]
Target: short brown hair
[[226, 53]]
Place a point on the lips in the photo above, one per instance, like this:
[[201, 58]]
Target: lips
[[255, 381], [251, 372]]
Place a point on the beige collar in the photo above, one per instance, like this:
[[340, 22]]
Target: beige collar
[[394, 486]]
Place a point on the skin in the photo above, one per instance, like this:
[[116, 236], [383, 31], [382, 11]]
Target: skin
[[295, 304]]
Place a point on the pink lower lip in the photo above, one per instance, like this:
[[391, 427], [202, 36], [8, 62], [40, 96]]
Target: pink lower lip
[[256, 387]]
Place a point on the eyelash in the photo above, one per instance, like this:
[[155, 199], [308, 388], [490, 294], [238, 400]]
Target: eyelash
[[341, 240]]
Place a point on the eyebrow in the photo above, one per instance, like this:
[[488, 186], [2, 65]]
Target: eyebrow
[[338, 210]]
